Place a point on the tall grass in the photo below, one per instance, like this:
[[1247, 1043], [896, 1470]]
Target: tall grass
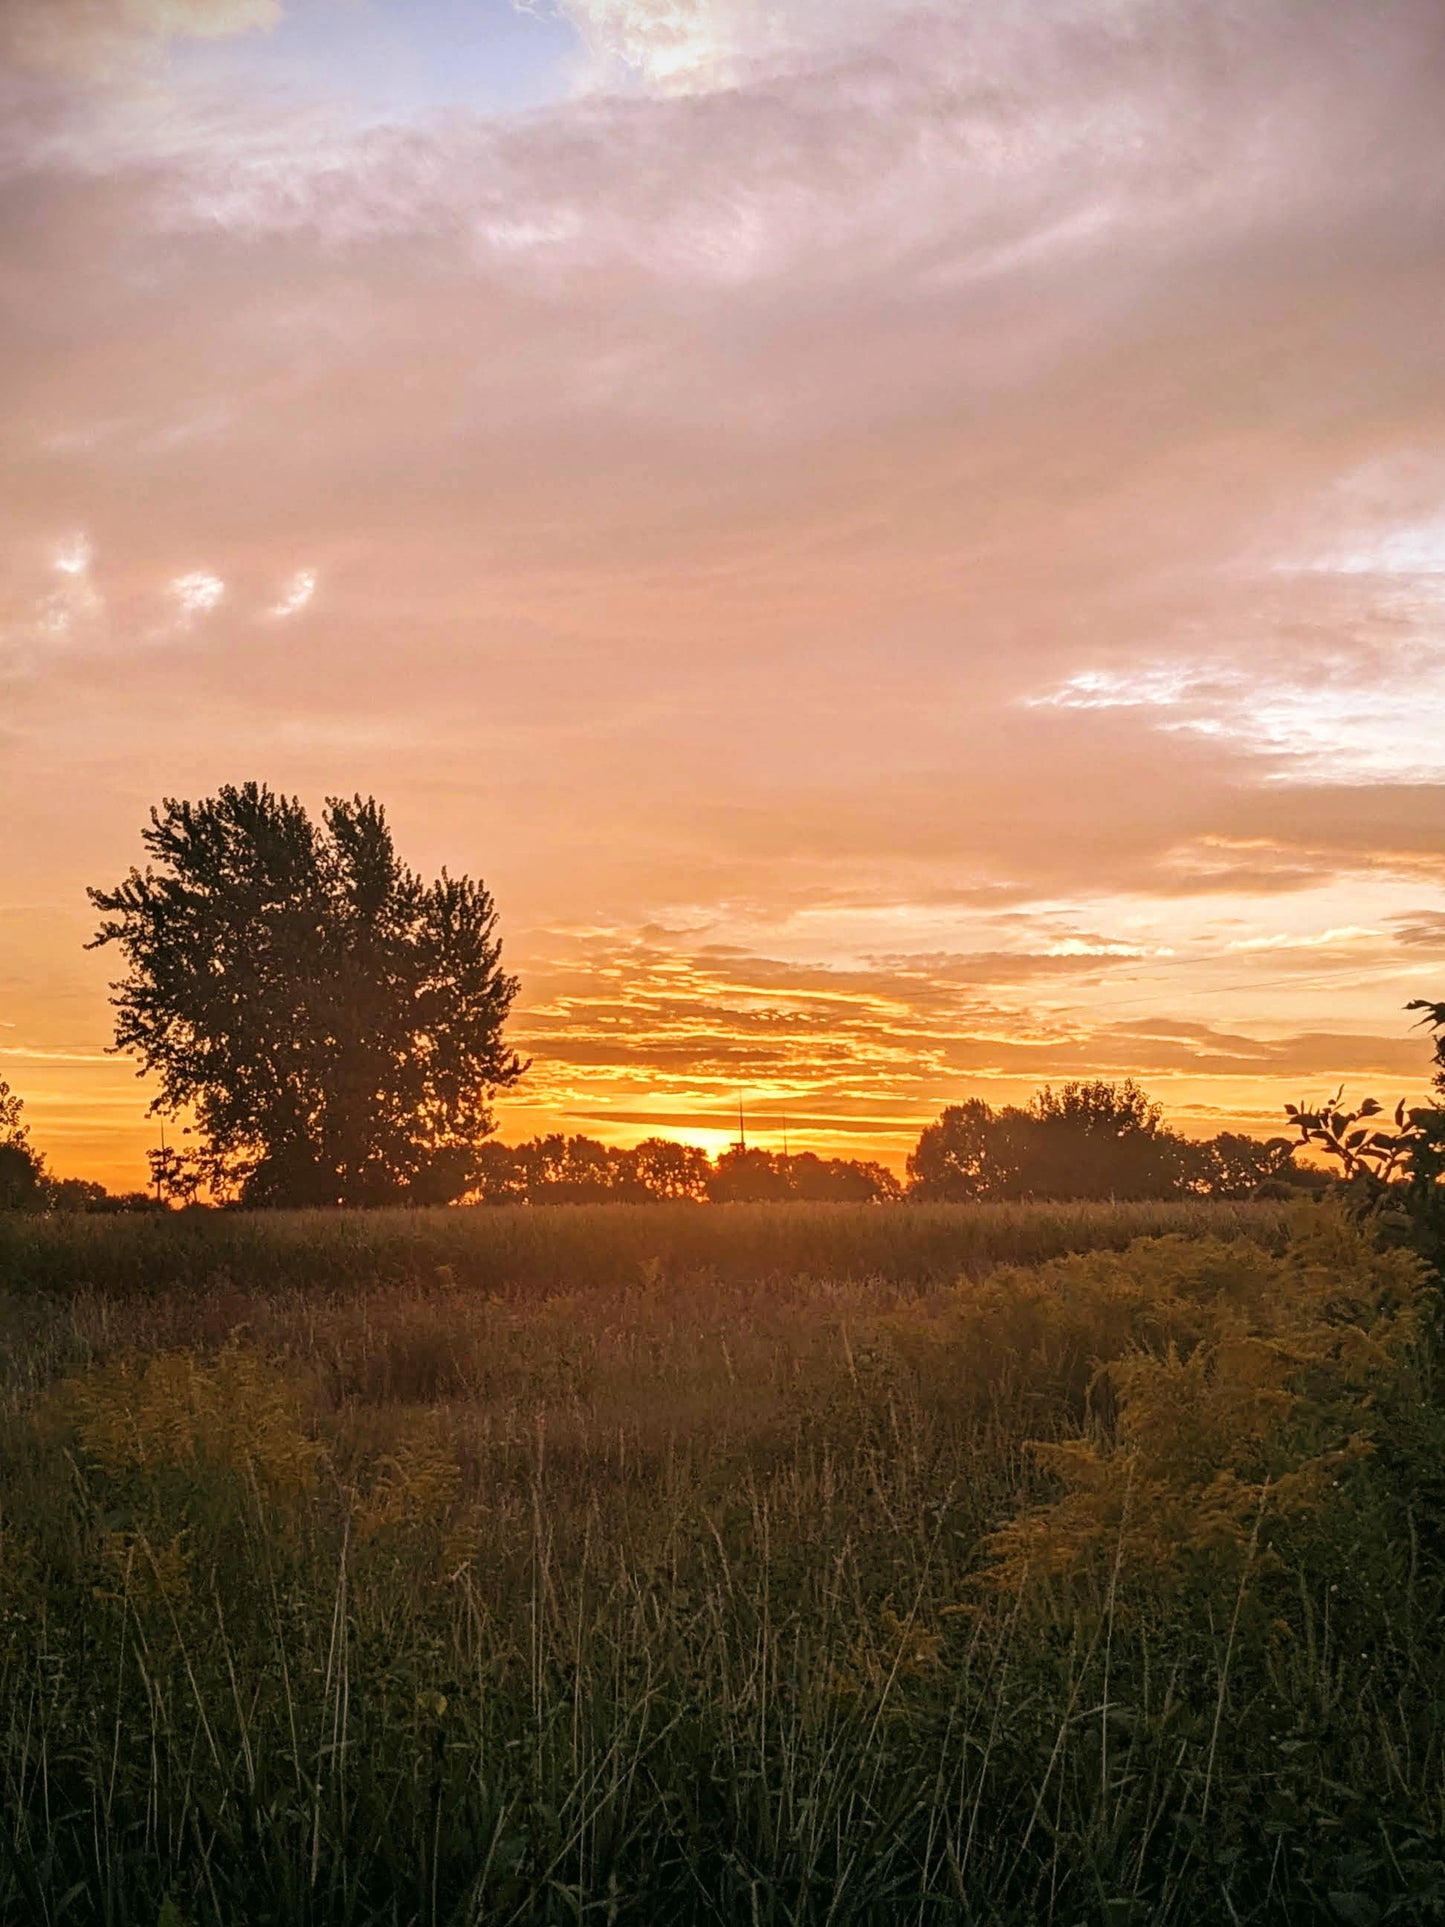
[[517, 1249], [728, 1598]]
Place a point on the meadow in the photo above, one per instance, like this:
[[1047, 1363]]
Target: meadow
[[520, 1251], [756, 1566]]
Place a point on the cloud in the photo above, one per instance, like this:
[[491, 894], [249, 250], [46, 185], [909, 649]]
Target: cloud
[[197, 593], [74, 557], [95, 35], [1420, 930], [76, 604], [52, 613], [849, 474], [296, 596], [1345, 719], [688, 46], [1346, 936], [20, 1054], [671, 1037], [668, 42]]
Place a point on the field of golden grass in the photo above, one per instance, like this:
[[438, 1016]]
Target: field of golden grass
[[799, 1565], [519, 1251]]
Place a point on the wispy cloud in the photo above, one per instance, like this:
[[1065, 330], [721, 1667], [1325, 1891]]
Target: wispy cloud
[[1348, 934], [76, 604], [296, 596], [197, 593], [629, 1035], [1345, 718]]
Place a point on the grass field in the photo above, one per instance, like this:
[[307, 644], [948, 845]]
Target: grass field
[[518, 1251], [651, 1566]]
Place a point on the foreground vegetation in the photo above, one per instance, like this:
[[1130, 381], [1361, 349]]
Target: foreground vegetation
[[701, 1591]]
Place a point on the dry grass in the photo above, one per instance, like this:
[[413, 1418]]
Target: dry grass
[[700, 1593], [522, 1251]]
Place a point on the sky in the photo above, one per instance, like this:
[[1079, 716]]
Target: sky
[[905, 542]]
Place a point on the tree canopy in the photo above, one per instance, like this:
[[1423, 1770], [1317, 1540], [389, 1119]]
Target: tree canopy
[[579, 1170], [21, 1169], [333, 1022], [747, 1175], [1085, 1140]]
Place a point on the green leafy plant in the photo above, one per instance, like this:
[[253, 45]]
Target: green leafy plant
[[1362, 1148]]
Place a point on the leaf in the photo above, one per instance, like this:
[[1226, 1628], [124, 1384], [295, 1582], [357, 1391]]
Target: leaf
[[1355, 1909]]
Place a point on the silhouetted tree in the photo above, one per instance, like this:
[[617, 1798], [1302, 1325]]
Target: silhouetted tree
[[69, 1195], [573, 1170], [748, 1175], [745, 1174], [1102, 1140], [839, 1180], [972, 1151], [1085, 1140], [497, 1176], [1433, 1019], [670, 1171], [22, 1171], [1427, 1122], [20, 1180], [334, 1022], [580, 1170], [1390, 1167], [176, 1175], [1233, 1165], [1373, 1153]]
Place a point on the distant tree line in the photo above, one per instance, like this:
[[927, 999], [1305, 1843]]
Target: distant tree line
[[579, 1170], [1092, 1140], [1088, 1139], [1085, 1140]]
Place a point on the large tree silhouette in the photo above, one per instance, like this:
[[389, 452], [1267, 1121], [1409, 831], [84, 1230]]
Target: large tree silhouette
[[334, 1023]]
